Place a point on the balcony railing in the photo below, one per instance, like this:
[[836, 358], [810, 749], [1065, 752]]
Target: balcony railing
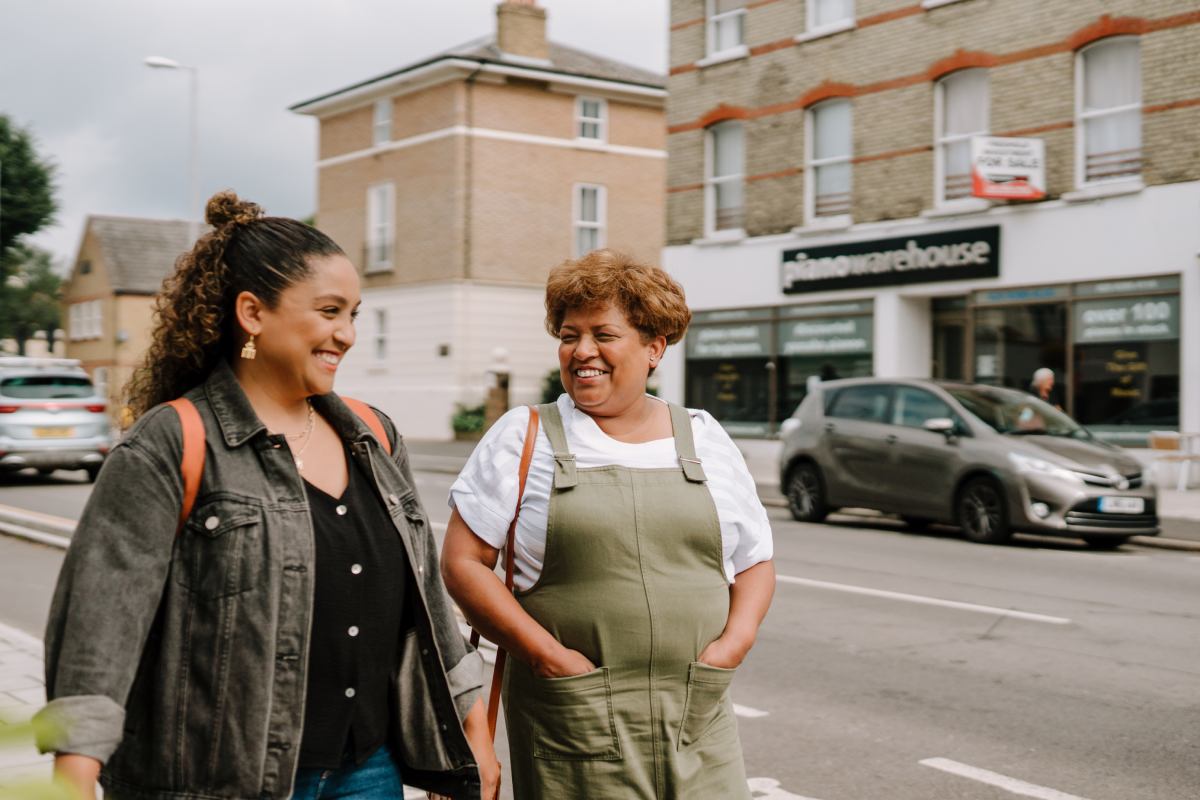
[[1113, 164], [831, 205], [378, 256], [729, 218]]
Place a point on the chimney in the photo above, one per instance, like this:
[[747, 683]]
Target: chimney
[[521, 29]]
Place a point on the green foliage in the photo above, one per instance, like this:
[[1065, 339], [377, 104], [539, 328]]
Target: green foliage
[[29, 296], [21, 736], [551, 386], [26, 188], [467, 419]]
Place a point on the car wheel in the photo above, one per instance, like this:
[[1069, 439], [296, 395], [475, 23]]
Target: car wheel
[[1105, 542], [981, 512], [806, 493], [92, 472], [917, 523]]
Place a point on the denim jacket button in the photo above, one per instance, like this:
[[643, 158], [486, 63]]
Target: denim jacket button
[[211, 523], [341, 511], [356, 569]]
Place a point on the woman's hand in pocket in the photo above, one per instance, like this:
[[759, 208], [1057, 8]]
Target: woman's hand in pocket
[[723, 653], [563, 663]]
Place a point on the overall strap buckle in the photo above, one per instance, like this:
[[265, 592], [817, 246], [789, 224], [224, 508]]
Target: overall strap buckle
[[693, 470], [565, 476]]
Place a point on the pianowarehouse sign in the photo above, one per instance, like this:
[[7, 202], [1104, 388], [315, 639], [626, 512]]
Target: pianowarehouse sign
[[945, 256]]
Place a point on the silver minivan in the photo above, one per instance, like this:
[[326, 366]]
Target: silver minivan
[[988, 459], [51, 417]]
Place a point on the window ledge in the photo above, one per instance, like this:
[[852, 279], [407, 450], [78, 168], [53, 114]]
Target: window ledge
[[928, 4], [588, 143], [1098, 191], [828, 30], [732, 54], [379, 269], [956, 208], [719, 238], [819, 225]]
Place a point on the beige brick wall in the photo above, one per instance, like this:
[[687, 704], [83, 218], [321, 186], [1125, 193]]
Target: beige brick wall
[[431, 109], [1027, 93], [345, 132]]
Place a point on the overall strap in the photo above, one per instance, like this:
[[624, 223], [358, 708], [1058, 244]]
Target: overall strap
[[685, 445], [368, 415], [565, 476], [191, 466]]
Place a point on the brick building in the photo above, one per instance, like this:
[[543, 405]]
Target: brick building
[[820, 209], [457, 182]]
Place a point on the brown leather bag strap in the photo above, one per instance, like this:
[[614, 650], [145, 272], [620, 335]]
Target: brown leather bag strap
[[493, 706], [191, 466], [368, 415]]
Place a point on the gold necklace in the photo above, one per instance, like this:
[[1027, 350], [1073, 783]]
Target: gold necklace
[[307, 434]]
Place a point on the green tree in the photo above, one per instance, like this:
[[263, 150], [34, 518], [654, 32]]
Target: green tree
[[29, 297], [26, 189]]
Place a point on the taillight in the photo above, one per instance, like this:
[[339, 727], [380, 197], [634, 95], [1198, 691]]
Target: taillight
[[9, 409], [96, 408]]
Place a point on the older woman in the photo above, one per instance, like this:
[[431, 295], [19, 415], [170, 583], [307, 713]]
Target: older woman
[[642, 559]]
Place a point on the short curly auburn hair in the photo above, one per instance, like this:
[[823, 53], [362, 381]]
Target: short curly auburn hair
[[651, 300]]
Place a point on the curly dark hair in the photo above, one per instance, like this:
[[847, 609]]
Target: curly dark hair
[[652, 300], [194, 323]]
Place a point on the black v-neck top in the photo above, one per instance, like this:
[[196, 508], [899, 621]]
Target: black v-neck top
[[358, 617]]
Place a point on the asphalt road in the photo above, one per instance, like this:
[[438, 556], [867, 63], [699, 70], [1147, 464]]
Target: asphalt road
[[901, 666]]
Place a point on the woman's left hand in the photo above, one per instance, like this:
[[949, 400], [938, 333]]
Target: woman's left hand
[[480, 740], [723, 653]]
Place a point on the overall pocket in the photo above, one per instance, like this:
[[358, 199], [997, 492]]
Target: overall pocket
[[572, 718], [707, 689], [219, 548]]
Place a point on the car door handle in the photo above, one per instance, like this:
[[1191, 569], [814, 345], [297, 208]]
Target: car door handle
[[891, 438]]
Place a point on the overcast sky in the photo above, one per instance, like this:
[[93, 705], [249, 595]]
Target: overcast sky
[[71, 72]]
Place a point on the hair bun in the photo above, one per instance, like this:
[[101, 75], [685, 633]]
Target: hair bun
[[226, 208]]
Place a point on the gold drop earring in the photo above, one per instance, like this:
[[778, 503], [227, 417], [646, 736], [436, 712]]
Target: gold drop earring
[[249, 351]]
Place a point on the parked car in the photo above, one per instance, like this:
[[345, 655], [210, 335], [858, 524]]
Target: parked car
[[51, 417], [988, 459]]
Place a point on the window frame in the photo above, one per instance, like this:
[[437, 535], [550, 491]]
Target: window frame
[[813, 30], [388, 223], [600, 224], [381, 121], [600, 121], [1082, 115], [885, 416], [941, 139], [811, 165], [712, 19], [710, 182]]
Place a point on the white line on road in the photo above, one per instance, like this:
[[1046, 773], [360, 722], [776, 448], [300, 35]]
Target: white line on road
[[770, 789], [20, 638], [921, 599], [1004, 782], [748, 712]]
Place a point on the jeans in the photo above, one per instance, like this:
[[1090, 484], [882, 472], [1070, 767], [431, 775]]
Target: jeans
[[377, 778]]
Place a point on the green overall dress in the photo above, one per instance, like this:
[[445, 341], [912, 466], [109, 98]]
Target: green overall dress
[[632, 578]]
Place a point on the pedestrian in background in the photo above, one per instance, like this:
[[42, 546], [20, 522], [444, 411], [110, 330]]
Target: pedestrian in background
[[291, 637], [1042, 387], [627, 623]]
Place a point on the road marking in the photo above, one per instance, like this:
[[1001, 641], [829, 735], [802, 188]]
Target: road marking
[[922, 600], [769, 789], [20, 638], [1004, 782], [748, 712]]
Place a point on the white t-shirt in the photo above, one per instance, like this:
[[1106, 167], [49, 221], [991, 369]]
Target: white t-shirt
[[485, 493]]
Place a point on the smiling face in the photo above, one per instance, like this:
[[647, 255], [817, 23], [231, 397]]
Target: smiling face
[[605, 361], [302, 340]]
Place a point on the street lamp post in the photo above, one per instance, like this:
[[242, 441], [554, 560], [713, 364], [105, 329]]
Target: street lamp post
[[158, 62]]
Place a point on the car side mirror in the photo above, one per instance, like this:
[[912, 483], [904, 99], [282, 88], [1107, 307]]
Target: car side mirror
[[942, 425]]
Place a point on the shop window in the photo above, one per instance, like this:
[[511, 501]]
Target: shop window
[[590, 114], [726, 26], [589, 219], [961, 103], [1109, 111], [797, 374], [382, 123], [724, 188], [381, 226], [736, 391], [828, 149], [827, 15], [1013, 342]]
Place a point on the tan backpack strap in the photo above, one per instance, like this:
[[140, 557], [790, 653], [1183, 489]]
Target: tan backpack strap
[[368, 415], [531, 432], [191, 466]]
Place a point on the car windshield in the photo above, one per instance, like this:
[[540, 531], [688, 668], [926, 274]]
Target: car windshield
[[1016, 413], [46, 387]]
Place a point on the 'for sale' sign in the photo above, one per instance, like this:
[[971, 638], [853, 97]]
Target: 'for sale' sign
[[1008, 169]]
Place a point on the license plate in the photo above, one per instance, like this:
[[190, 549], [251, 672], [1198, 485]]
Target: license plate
[[54, 433], [1122, 505]]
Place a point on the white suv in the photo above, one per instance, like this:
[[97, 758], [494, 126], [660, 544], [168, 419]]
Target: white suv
[[51, 417]]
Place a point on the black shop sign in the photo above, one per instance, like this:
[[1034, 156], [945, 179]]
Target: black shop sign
[[946, 256]]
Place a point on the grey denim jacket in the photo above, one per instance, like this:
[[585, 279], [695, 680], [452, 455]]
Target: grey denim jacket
[[180, 661]]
